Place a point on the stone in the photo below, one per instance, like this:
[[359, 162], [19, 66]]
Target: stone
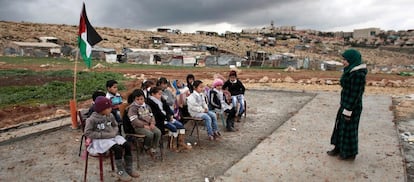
[[265, 79], [288, 79]]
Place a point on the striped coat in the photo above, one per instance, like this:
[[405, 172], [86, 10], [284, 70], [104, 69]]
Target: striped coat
[[345, 133]]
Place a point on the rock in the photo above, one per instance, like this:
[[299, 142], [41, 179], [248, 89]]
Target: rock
[[142, 77], [45, 65], [252, 81], [329, 82], [133, 76], [396, 83], [279, 80], [383, 83], [322, 81], [265, 79], [314, 80], [99, 66], [289, 69], [288, 79], [273, 80], [61, 112]]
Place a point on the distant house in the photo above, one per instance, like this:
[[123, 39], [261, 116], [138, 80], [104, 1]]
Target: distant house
[[200, 32], [157, 39], [163, 29], [36, 49], [181, 46], [365, 33], [48, 39], [102, 53]]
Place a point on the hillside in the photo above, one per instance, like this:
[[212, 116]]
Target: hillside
[[120, 38]]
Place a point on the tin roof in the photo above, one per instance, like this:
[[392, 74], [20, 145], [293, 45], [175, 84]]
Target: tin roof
[[36, 44]]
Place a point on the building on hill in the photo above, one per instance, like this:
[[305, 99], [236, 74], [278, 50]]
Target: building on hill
[[164, 30], [366, 33], [35, 49], [158, 39], [207, 33], [48, 39]]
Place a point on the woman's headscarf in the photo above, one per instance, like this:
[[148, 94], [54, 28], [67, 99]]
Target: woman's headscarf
[[354, 58]]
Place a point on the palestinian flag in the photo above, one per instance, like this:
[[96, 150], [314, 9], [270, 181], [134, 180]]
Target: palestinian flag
[[87, 38]]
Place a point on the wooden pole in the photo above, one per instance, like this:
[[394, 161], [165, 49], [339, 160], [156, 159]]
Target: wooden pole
[[72, 102]]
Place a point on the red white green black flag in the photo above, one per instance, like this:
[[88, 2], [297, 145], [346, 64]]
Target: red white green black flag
[[87, 38]]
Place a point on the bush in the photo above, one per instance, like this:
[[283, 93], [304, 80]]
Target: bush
[[54, 92]]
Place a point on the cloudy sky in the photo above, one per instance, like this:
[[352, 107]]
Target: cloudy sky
[[217, 15]]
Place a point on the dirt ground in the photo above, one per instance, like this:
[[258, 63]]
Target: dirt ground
[[54, 156]]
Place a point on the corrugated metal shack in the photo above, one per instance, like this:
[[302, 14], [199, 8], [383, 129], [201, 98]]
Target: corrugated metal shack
[[36, 49]]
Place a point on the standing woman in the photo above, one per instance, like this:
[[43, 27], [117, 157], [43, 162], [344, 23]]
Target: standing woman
[[345, 133]]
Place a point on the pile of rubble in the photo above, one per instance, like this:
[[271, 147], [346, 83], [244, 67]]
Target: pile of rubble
[[322, 81]]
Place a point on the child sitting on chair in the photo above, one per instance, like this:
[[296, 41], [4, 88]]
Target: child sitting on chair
[[221, 102], [102, 128], [116, 99], [143, 122], [164, 117], [197, 107]]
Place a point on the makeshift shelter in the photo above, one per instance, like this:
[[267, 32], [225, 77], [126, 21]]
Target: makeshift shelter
[[36, 49]]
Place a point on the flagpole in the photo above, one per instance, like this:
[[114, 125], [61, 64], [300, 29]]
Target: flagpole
[[72, 102]]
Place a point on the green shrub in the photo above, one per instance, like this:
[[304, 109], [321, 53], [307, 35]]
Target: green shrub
[[55, 92]]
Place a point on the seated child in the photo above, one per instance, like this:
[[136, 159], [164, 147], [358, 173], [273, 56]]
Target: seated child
[[197, 107], [167, 94], [116, 99], [102, 128], [221, 102], [94, 96], [143, 122], [164, 117]]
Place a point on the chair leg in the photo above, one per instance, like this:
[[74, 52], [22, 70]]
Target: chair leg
[[194, 126], [111, 155], [198, 133], [137, 148], [245, 109], [86, 166], [80, 147], [162, 148], [101, 167]]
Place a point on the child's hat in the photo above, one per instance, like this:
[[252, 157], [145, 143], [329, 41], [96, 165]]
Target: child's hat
[[233, 73], [217, 82], [101, 103]]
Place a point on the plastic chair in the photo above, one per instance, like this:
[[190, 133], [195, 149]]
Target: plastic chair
[[100, 156]]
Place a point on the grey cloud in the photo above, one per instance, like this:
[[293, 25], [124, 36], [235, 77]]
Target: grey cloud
[[145, 14]]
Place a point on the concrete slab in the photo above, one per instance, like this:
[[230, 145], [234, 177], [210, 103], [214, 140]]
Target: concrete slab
[[22, 133], [297, 150]]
